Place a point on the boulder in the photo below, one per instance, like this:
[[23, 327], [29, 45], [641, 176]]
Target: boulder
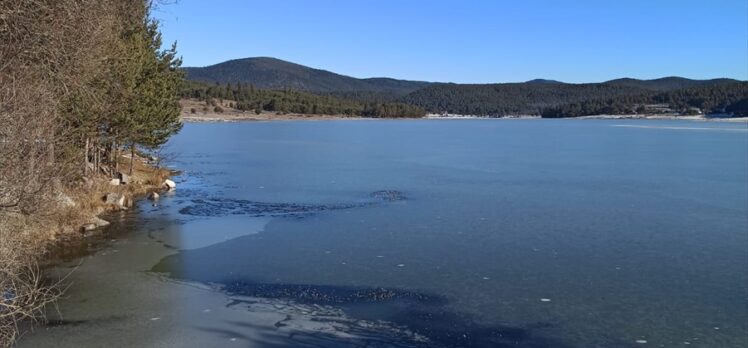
[[99, 222], [169, 184], [123, 178], [116, 199], [154, 196], [114, 182]]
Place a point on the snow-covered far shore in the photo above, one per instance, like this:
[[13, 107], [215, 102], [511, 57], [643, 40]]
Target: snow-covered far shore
[[596, 117], [458, 116]]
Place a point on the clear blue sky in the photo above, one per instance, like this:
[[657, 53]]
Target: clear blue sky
[[471, 41]]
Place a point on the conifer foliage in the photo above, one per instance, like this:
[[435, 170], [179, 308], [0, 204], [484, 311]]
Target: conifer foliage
[[80, 80]]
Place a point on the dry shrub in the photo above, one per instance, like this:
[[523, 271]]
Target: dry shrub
[[23, 292], [53, 54]]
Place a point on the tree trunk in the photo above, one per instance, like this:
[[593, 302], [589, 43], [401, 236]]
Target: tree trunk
[[85, 157], [116, 155], [96, 157], [132, 156]]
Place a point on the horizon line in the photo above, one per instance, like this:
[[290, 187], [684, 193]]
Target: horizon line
[[550, 80]]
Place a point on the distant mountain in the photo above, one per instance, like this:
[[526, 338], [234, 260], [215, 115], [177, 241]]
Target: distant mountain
[[668, 83], [271, 73], [534, 97], [542, 82]]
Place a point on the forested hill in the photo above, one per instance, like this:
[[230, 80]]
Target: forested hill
[[276, 74], [729, 99], [250, 99], [528, 98], [668, 83], [535, 97], [538, 96]]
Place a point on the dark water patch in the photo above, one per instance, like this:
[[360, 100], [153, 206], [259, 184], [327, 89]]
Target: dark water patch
[[394, 310], [211, 207], [328, 295], [382, 317], [61, 322], [225, 206], [52, 323]]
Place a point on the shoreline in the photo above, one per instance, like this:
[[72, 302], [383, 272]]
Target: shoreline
[[75, 218], [270, 117], [96, 213], [265, 116], [113, 287]]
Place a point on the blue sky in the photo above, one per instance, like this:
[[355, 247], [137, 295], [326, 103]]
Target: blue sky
[[471, 41]]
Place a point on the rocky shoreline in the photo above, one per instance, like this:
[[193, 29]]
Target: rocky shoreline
[[98, 198]]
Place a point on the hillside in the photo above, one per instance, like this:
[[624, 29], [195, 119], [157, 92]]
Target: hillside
[[271, 73], [528, 98], [255, 100], [668, 83], [534, 97]]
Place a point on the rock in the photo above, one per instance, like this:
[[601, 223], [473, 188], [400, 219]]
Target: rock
[[128, 201], [96, 223], [116, 199], [170, 184], [123, 178], [154, 196], [99, 222], [114, 182]]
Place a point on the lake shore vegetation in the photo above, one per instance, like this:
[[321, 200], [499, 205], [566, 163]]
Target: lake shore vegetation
[[87, 96]]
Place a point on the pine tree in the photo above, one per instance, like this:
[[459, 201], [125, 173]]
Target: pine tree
[[154, 116]]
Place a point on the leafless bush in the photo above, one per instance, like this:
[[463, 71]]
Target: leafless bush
[[23, 292], [52, 55]]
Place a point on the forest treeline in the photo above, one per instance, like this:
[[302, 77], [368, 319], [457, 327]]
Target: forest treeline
[[573, 100], [81, 81], [508, 98], [729, 99], [247, 98], [550, 100]]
